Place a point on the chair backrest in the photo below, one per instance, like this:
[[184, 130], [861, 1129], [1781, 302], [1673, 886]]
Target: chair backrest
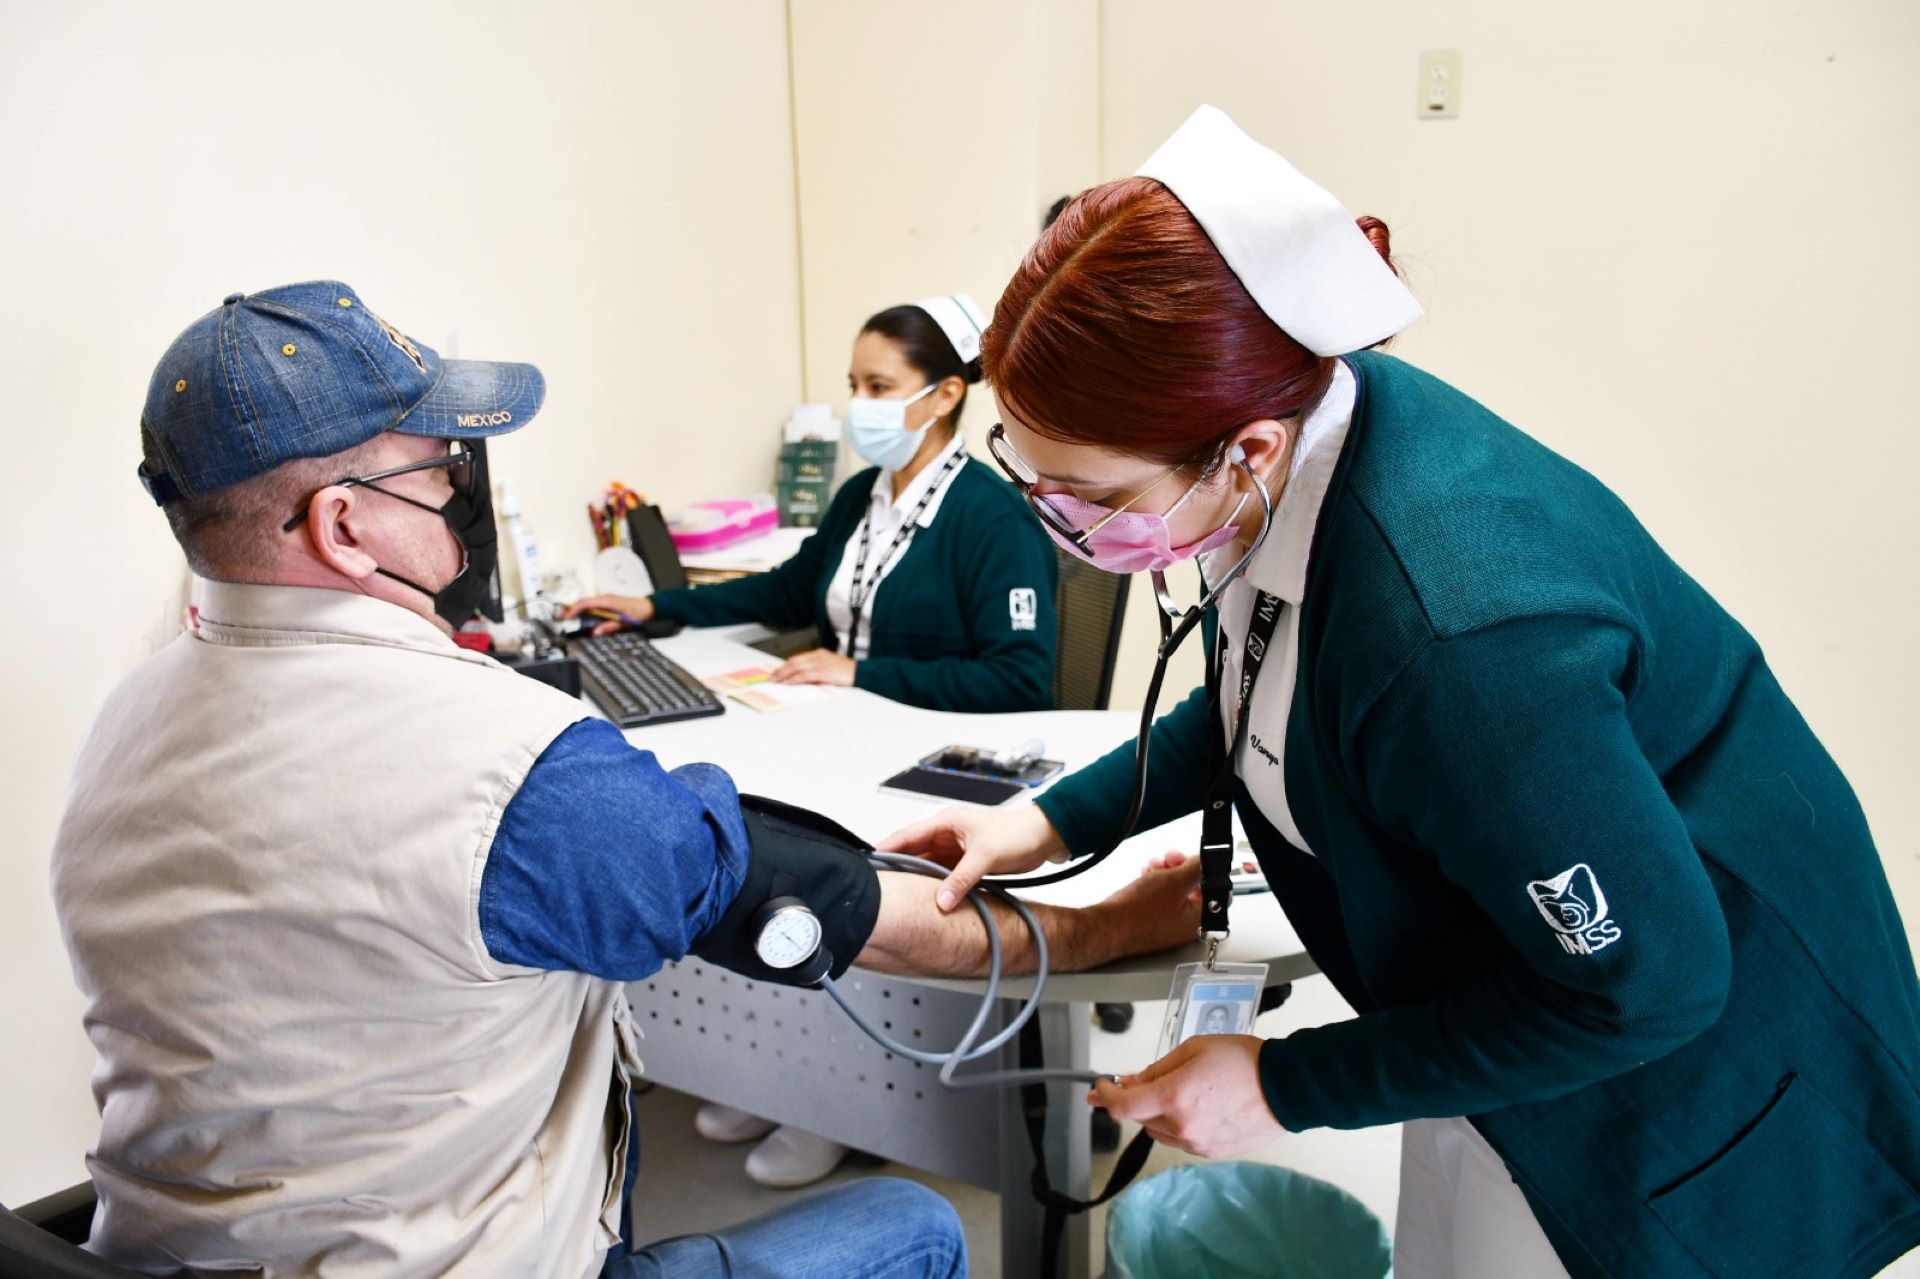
[[42, 1240], [653, 543], [1091, 604]]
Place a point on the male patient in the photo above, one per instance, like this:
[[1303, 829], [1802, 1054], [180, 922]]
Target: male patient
[[351, 906]]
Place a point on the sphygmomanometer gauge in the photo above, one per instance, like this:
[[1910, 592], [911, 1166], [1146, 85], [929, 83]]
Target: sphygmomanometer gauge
[[788, 933]]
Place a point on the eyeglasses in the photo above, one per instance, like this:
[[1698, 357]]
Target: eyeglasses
[[1025, 477], [458, 464]]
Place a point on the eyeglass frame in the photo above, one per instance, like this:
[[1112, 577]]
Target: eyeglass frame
[[1175, 625], [460, 452], [1007, 458]]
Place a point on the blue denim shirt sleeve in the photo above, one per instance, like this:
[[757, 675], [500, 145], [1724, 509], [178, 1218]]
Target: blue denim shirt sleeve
[[606, 863]]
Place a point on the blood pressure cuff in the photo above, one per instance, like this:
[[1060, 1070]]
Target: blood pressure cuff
[[797, 853]]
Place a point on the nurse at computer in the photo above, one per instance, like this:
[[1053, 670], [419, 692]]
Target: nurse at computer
[[929, 581]]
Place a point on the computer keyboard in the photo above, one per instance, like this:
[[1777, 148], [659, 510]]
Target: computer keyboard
[[635, 685]]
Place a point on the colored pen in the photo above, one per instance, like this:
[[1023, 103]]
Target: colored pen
[[609, 615]]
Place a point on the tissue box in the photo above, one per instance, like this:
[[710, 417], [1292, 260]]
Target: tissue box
[[708, 526], [803, 502]]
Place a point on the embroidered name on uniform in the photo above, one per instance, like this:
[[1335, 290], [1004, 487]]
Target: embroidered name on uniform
[[1260, 748], [1572, 903], [499, 417], [1023, 608]]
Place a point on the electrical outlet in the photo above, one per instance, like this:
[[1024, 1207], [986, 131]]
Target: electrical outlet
[[1439, 86]]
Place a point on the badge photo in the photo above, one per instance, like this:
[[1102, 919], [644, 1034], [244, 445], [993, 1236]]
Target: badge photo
[[1219, 1000]]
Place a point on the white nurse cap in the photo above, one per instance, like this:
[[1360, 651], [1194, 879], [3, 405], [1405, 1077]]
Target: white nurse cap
[[1292, 244], [960, 320]]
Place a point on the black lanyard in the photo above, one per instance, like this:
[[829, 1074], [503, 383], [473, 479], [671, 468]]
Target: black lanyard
[[860, 590], [1216, 819]]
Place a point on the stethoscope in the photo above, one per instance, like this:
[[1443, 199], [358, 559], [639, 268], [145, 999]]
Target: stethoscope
[[1175, 625], [789, 936]]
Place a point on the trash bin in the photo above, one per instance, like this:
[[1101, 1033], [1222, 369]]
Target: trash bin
[[1243, 1221]]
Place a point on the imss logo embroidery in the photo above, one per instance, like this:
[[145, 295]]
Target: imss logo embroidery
[[1577, 910], [1023, 607]]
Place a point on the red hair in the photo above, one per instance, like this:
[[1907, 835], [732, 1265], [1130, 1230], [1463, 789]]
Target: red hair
[[1125, 328]]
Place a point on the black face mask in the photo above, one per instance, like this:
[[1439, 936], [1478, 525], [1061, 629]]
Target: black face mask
[[476, 587]]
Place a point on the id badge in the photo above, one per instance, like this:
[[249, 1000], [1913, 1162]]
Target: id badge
[[1221, 1000]]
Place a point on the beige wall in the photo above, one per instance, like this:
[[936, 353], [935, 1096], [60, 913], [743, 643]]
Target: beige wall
[[521, 184], [929, 139], [1668, 240]]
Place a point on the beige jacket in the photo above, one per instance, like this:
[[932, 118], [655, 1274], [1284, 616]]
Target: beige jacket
[[267, 876]]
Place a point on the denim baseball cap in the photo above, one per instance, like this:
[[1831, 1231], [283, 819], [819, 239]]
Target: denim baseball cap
[[306, 370]]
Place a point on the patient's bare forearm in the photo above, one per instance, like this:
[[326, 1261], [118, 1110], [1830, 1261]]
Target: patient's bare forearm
[[912, 936]]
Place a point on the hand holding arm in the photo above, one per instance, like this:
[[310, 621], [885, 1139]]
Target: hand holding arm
[[977, 844]]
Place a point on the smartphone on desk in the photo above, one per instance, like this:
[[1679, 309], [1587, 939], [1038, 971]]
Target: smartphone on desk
[[952, 788], [971, 761]]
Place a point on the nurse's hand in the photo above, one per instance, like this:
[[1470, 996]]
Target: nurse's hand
[[1203, 1097], [815, 666], [978, 843], [633, 609]]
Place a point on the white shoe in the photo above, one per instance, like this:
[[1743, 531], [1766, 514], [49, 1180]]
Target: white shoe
[[793, 1158], [724, 1124]]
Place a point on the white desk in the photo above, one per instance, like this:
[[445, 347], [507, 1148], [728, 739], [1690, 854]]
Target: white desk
[[831, 757], [793, 1057]]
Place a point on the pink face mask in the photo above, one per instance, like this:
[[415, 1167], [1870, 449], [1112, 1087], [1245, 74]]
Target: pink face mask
[[1130, 541]]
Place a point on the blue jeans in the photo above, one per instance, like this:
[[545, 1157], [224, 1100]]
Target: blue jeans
[[878, 1228]]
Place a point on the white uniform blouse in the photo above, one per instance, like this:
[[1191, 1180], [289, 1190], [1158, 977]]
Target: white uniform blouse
[[886, 514]]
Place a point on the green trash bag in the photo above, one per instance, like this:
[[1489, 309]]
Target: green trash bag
[[1243, 1221]]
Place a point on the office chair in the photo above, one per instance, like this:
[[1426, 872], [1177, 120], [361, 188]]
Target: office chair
[[1091, 604], [42, 1240]]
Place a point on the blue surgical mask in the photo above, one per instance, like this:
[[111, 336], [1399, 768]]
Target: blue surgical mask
[[877, 429]]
